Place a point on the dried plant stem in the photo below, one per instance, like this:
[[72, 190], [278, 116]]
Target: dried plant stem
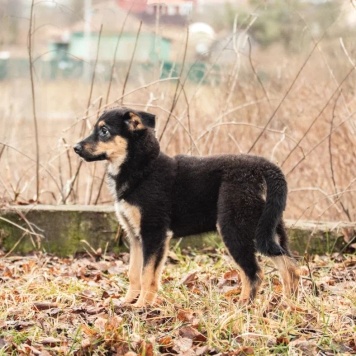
[[241, 123], [114, 58], [315, 119], [95, 164], [33, 97], [285, 95], [179, 123], [2, 150], [255, 72], [322, 54], [33, 160], [130, 65], [75, 178], [176, 96], [347, 213], [100, 188], [231, 84], [30, 232], [92, 80], [71, 185], [317, 145]]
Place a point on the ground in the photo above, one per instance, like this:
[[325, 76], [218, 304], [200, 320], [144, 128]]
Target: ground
[[69, 306]]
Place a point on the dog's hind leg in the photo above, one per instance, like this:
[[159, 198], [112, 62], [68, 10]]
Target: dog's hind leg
[[289, 272], [241, 248], [155, 248], [285, 263]]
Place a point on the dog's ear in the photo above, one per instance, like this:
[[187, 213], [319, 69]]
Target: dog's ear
[[140, 120], [149, 120]]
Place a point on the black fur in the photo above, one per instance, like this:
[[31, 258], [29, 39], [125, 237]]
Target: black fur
[[243, 195]]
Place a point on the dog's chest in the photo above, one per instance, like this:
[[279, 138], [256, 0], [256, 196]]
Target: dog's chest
[[129, 217]]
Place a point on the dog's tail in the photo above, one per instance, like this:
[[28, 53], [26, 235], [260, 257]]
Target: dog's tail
[[272, 214]]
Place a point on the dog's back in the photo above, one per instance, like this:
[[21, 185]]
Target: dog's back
[[201, 184]]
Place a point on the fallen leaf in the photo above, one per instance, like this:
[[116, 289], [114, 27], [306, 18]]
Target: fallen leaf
[[189, 279], [117, 268], [282, 340], [232, 293], [19, 324], [232, 275], [243, 351], [85, 343], [182, 344], [87, 330], [185, 315], [51, 341], [44, 305], [172, 257], [94, 310], [202, 350], [350, 262], [146, 348], [165, 342], [8, 273], [88, 294], [191, 333], [278, 288], [100, 323], [302, 347], [54, 311], [30, 350]]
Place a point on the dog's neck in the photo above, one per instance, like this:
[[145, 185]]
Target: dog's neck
[[126, 173]]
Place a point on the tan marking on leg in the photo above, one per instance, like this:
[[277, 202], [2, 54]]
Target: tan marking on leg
[[289, 272], [151, 278], [245, 288], [149, 286], [135, 270], [256, 285], [129, 217], [249, 290]]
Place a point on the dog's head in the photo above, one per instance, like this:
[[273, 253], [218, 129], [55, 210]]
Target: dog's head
[[112, 134]]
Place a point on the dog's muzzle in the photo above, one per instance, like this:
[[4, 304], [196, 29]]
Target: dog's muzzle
[[88, 156], [78, 149]]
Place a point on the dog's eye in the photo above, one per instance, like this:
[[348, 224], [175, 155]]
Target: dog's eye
[[104, 132]]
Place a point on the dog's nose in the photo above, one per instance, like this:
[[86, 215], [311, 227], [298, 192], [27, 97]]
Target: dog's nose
[[78, 148]]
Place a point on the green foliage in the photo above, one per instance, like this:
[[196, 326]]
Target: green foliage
[[289, 22]]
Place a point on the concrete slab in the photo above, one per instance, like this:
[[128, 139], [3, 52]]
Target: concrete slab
[[68, 229]]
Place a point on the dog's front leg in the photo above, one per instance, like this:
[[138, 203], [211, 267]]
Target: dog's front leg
[[135, 270], [155, 248]]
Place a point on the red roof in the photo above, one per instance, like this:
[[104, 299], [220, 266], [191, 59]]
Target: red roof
[[133, 5]]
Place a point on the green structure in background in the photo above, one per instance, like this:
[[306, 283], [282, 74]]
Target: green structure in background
[[76, 57], [149, 47]]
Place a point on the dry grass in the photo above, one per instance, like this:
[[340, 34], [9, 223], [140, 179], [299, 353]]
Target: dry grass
[[67, 307]]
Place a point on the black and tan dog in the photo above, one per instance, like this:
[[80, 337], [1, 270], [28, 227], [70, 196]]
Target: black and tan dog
[[158, 197]]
